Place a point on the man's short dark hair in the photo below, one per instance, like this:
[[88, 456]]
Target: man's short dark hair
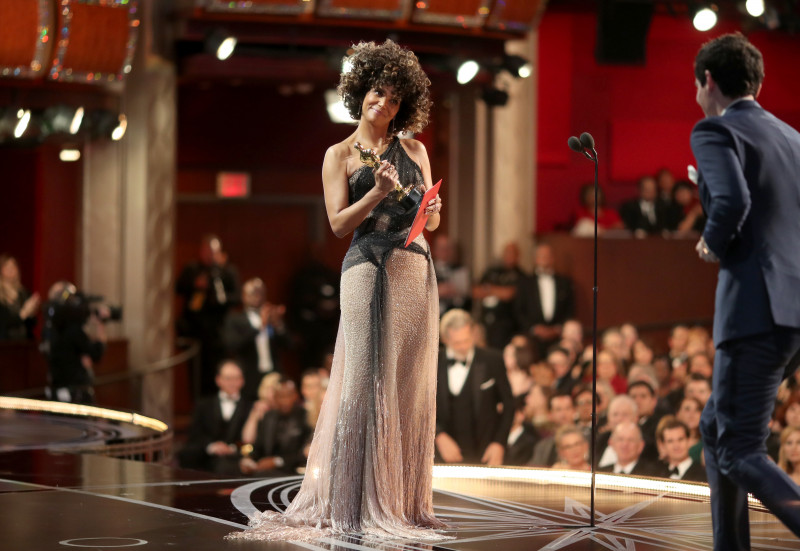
[[669, 422], [735, 64], [644, 384]]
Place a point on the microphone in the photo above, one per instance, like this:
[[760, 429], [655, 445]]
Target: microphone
[[587, 141], [580, 145], [575, 144]]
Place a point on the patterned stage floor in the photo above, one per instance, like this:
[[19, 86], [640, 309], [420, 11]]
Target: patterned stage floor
[[58, 501]]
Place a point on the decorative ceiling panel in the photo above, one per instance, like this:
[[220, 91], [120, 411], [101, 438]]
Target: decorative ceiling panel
[[365, 9], [459, 13], [95, 40], [26, 35], [277, 7], [514, 15]]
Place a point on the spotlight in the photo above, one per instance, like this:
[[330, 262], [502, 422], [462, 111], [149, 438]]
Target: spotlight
[[494, 97], [221, 44], [69, 154], [336, 109], [755, 7], [119, 131], [23, 118], [77, 119], [467, 71], [518, 66], [706, 18]]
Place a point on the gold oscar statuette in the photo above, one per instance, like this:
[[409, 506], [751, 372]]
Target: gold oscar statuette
[[409, 197]]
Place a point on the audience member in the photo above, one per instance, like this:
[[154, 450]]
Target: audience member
[[521, 438], [573, 330], [665, 182], [518, 361], [544, 301], [255, 335], [647, 214], [208, 286], [312, 389], [559, 359], [495, 294], [582, 401], [700, 364], [583, 219], [217, 425], [313, 308], [627, 443], [789, 455], [474, 405], [73, 340], [608, 370], [688, 412], [537, 407], [452, 277], [698, 387], [673, 437], [614, 342], [621, 409], [562, 414], [282, 435], [642, 353], [18, 308], [646, 400], [265, 403], [688, 211], [629, 335], [573, 449]]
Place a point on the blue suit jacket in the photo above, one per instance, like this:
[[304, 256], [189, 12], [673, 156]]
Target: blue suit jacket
[[749, 167]]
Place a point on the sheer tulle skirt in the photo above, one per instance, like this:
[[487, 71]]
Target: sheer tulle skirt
[[370, 464]]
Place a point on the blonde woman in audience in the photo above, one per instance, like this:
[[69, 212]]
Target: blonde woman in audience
[[789, 454], [266, 402]]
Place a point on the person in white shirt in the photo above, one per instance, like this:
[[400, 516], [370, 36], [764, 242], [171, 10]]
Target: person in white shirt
[[673, 439], [627, 442]]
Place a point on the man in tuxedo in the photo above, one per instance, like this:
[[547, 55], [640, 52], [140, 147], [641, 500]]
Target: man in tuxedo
[[748, 166], [209, 287], [521, 438], [474, 404], [646, 399], [282, 436], [621, 409], [544, 301], [673, 436], [648, 213], [561, 412], [217, 425], [626, 440], [254, 336]]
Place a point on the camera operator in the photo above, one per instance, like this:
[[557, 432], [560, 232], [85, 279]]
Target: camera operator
[[74, 338]]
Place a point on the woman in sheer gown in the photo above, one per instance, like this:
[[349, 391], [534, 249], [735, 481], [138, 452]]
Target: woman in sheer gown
[[369, 468]]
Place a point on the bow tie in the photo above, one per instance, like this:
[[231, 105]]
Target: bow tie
[[452, 361], [229, 398], [674, 471]]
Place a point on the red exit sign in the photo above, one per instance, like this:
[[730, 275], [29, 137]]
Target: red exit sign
[[233, 184]]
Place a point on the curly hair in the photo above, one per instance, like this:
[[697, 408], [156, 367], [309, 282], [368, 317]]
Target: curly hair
[[736, 65], [387, 64]]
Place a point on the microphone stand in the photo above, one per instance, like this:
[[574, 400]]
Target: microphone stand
[[592, 451]]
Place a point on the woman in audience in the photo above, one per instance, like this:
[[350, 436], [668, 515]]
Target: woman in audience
[[517, 360], [18, 308], [607, 219], [789, 455], [572, 448], [266, 402], [689, 412]]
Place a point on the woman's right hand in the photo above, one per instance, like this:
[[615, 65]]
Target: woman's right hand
[[386, 177]]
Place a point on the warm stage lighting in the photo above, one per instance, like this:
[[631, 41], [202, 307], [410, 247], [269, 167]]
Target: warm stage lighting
[[517, 66], [336, 109], [705, 19], [467, 71], [24, 117], [221, 44], [77, 119], [69, 155], [755, 7], [119, 131]]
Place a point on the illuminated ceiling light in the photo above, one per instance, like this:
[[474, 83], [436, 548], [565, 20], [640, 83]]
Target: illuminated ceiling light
[[120, 129], [755, 7], [467, 71], [69, 155], [77, 119], [221, 44], [705, 19], [518, 66], [336, 110], [24, 117], [347, 65]]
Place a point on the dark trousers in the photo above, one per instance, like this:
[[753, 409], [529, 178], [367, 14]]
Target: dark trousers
[[735, 427]]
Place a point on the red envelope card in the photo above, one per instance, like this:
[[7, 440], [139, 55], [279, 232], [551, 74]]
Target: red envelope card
[[421, 219]]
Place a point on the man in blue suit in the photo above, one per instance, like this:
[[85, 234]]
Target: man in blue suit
[[749, 181]]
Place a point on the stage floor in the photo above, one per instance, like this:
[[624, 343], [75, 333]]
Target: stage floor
[[58, 501]]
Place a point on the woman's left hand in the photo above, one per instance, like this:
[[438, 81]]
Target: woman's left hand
[[434, 206]]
